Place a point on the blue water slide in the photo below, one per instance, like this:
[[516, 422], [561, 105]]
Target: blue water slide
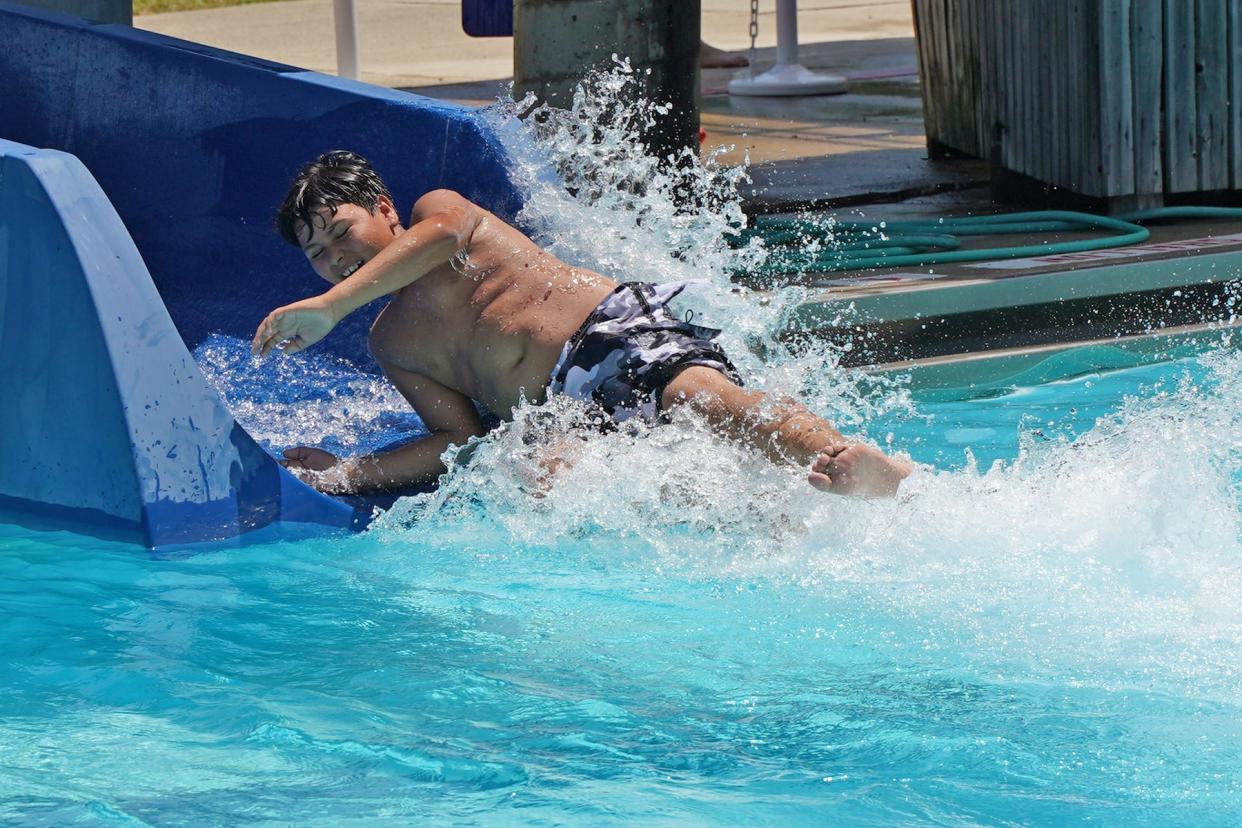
[[107, 420]]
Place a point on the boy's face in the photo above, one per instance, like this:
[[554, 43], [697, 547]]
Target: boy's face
[[337, 244]]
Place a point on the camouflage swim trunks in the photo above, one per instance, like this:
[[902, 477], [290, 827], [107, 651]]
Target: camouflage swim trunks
[[630, 348]]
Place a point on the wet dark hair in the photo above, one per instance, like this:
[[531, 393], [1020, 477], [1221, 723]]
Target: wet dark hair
[[334, 178]]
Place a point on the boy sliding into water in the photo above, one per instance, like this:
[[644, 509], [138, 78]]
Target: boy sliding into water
[[479, 312]]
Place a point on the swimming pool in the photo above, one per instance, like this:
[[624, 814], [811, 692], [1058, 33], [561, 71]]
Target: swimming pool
[[1046, 628], [673, 633]]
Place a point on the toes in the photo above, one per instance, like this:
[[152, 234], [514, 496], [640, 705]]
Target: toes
[[828, 455], [833, 469]]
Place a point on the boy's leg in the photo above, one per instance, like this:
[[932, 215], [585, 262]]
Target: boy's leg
[[786, 432]]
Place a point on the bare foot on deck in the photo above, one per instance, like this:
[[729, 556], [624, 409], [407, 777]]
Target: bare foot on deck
[[712, 58], [858, 469]]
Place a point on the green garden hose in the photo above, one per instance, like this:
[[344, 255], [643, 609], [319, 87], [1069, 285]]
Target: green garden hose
[[800, 245]]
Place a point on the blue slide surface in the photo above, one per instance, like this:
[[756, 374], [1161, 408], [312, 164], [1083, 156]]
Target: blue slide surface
[[144, 223], [108, 422]]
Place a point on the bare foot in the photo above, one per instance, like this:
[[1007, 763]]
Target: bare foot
[[712, 58], [857, 469]]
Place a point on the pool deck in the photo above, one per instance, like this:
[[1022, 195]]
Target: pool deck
[[837, 150], [859, 153]]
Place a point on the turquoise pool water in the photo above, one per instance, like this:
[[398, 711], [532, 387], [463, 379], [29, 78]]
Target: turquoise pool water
[[674, 633]]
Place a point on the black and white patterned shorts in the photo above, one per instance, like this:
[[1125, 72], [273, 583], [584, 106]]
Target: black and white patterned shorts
[[630, 348]]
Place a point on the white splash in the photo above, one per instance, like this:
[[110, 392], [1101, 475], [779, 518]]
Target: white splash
[[312, 401], [1112, 559], [1121, 548]]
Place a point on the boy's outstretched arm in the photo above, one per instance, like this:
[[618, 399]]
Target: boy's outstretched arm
[[450, 418], [412, 254]]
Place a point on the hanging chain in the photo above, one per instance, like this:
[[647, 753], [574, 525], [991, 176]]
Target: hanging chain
[[754, 32]]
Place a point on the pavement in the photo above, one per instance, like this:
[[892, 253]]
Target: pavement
[[863, 147]]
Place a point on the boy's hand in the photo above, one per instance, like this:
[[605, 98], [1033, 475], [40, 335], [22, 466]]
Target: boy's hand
[[298, 326], [311, 459], [309, 464]]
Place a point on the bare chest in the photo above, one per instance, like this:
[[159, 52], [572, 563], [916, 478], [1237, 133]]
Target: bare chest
[[452, 336]]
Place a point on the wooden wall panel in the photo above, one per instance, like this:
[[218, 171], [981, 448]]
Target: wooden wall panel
[[1108, 98], [1211, 95], [1234, 67], [1181, 117], [1146, 39], [1116, 99]]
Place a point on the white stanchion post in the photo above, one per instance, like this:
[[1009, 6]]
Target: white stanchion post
[[788, 77], [346, 38]]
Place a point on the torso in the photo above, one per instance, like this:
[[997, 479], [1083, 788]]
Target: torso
[[491, 325]]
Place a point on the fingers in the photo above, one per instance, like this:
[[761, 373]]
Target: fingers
[[296, 462], [308, 459], [264, 339], [262, 334], [304, 474], [276, 328]]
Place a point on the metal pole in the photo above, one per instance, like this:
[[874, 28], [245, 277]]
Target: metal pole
[[346, 38], [787, 77], [786, 32]]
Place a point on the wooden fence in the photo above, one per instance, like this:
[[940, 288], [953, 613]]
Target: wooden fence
[[1126, 100]]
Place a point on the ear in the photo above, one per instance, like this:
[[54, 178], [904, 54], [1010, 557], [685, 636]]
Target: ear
[[385, 208]]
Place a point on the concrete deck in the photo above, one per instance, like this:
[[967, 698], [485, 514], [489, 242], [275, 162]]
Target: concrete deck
[[419, 45]]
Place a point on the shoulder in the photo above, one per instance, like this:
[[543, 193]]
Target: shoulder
[[443, 201]]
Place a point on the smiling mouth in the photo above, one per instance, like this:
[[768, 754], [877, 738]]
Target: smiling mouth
[[352, 269]]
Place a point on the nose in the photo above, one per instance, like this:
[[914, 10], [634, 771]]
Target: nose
[[337, 256]]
